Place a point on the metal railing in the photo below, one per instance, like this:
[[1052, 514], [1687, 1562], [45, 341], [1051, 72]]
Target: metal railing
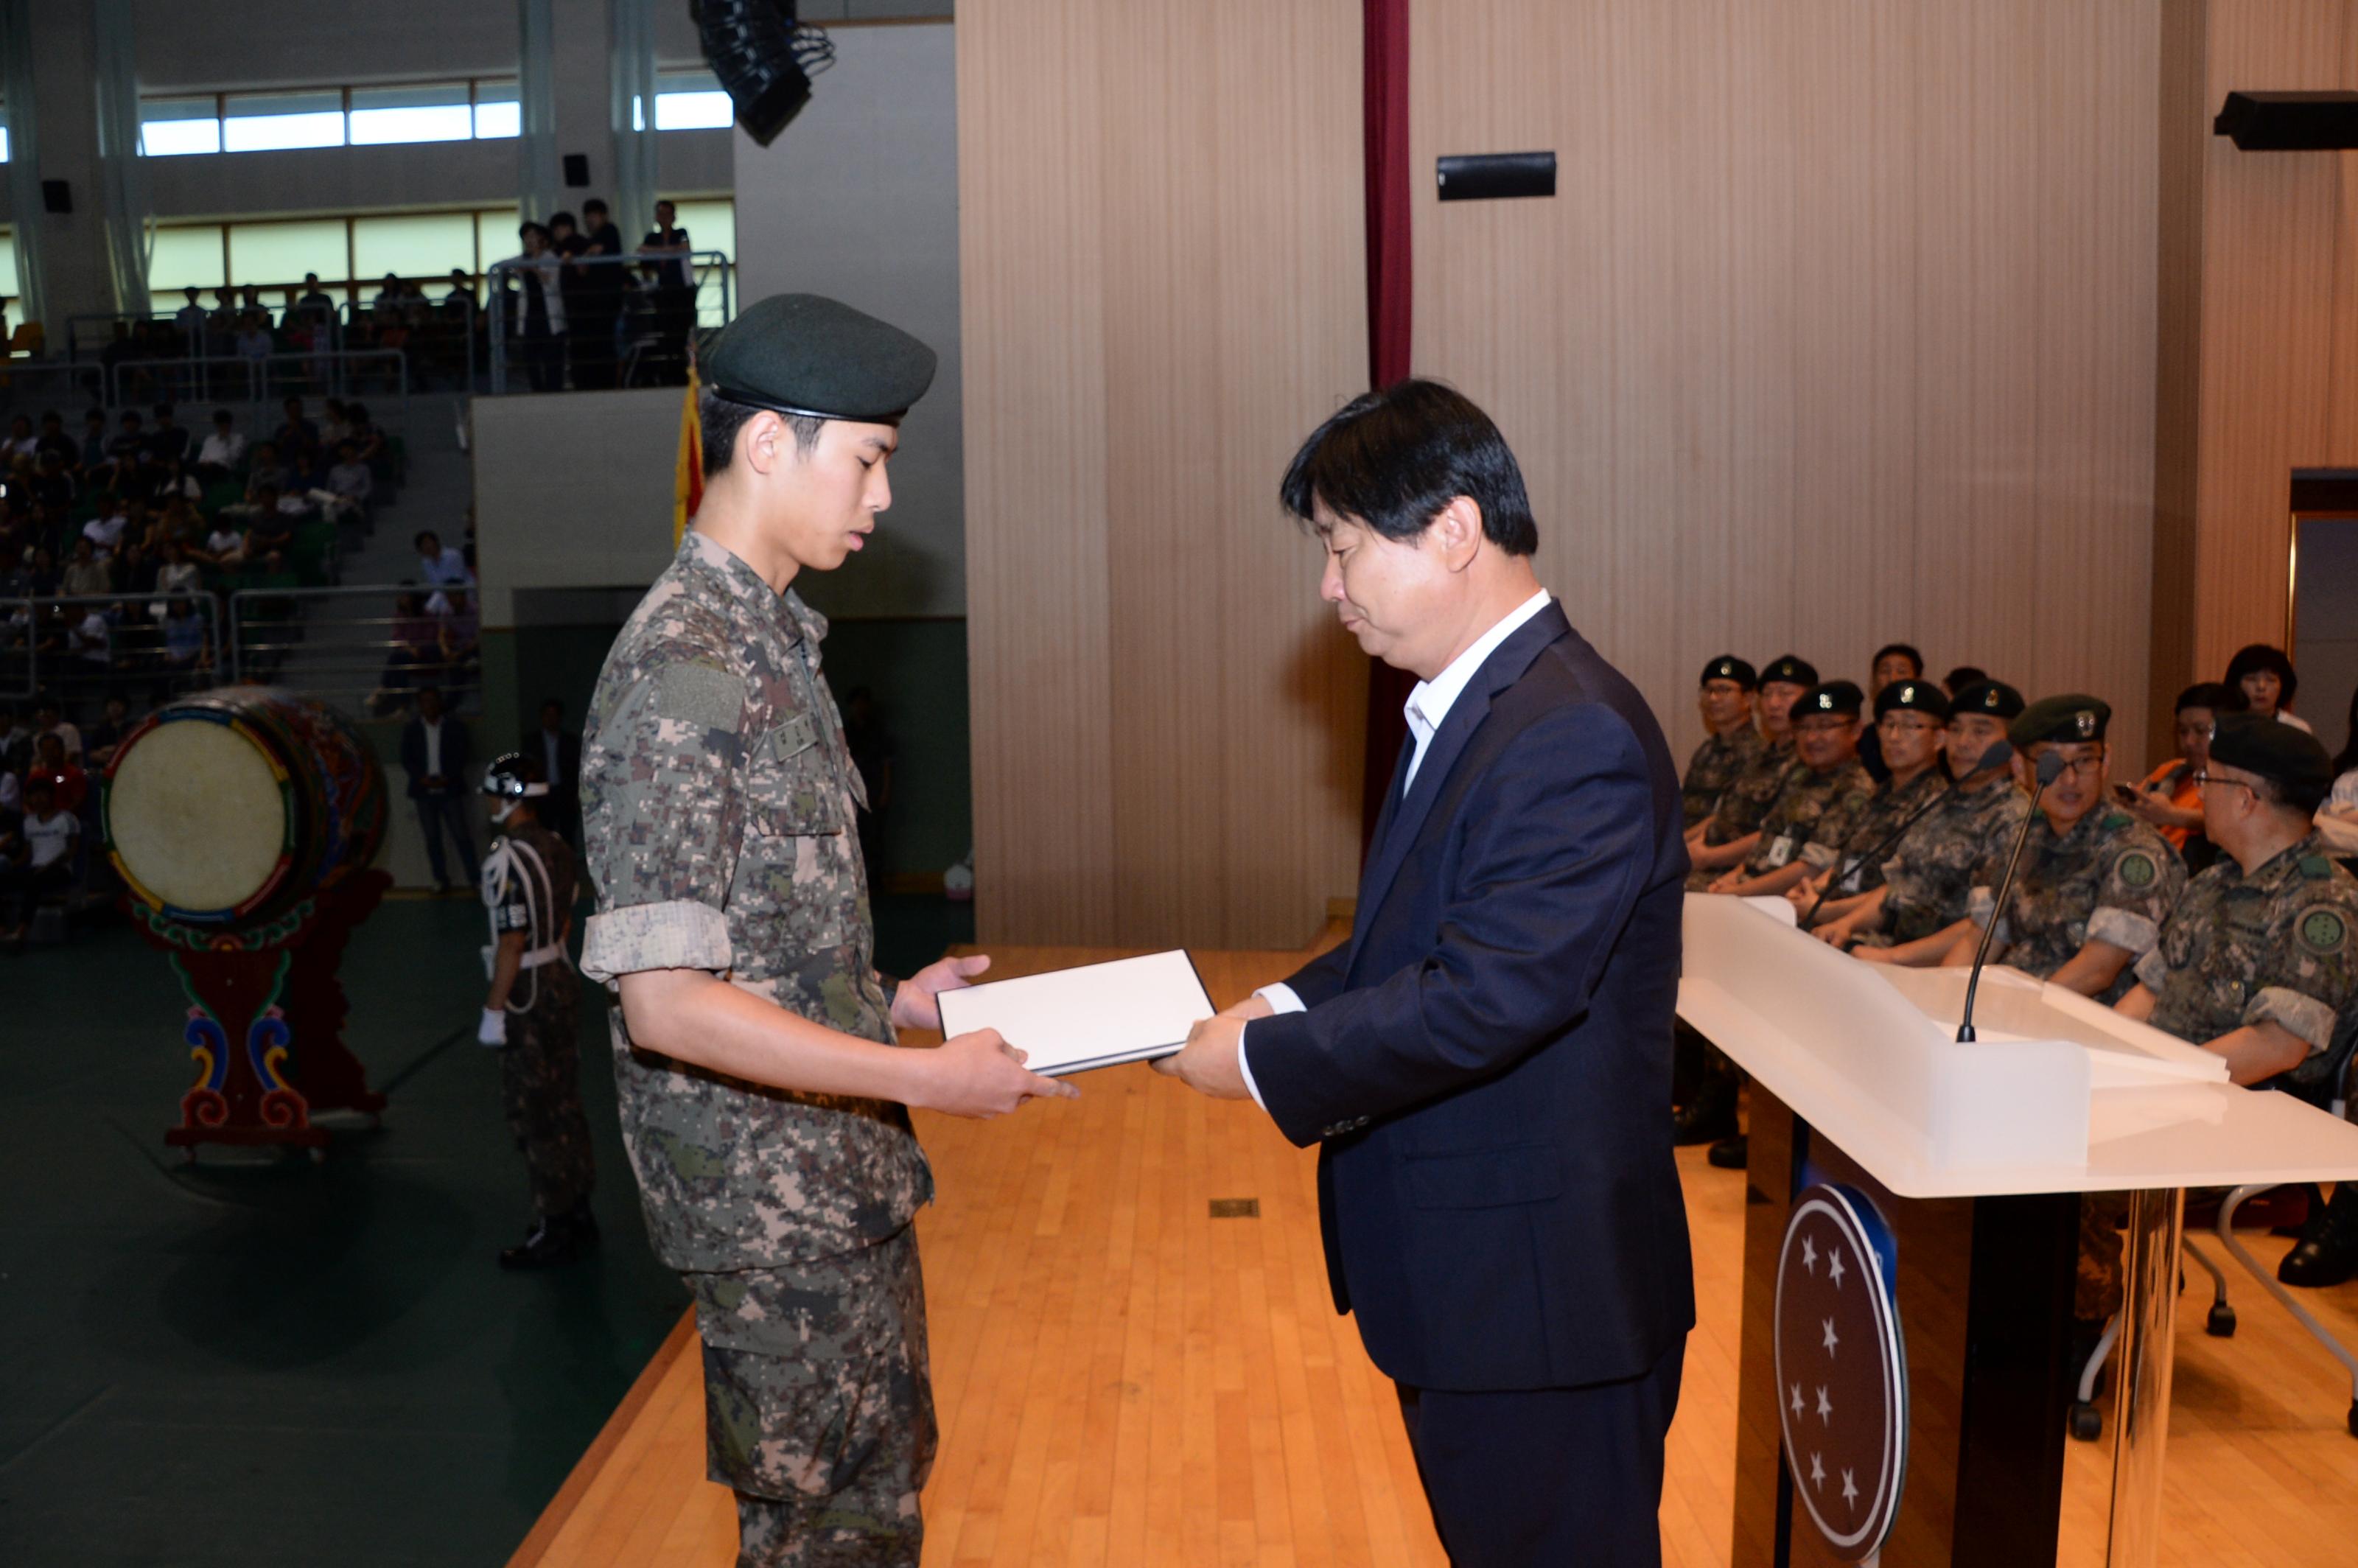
[[48, 645], [372, 663], [633, 331], [264, 378]]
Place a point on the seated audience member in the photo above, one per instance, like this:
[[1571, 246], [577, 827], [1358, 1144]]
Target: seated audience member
[[349, 484], [224, 452], [16, 738], [271, 526], [335, 423], [361, 430], [1733, 827], [54, 439], [130, 439], [103, 738], [69, 777], [2337, 818], [294, 431], [265, 470], [22, 441], [253, 342], [1912, 719], [442, 566], [226, 545], [87, 573], [36, 860], [2170, 797], [94, 459], [1893, 661], [187, 644], [2265, 679], [1724, 698], [52, 482], [1963, 676], [135, 570], [176, 573], [1826, 793], [167, 440], [89, 640]]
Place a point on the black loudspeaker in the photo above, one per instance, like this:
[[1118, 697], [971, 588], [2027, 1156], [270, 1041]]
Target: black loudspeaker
[[2289, 121], [57, 196], [764, 57], [1489, 177], [577, 170]]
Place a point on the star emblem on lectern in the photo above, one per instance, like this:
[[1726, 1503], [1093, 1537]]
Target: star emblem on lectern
[[1833, 1338], [1834, 1267], [1841, 1370]]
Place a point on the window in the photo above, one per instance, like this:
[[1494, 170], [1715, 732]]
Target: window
[[3, 144], [185, 257], [691, 100], [385, 114], [266, 122], [9, 287], [415, 245], [175, 127], [495, 235], [499, 112], [277, 255]]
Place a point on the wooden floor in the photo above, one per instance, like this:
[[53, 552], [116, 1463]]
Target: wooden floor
[[1125, 1380]]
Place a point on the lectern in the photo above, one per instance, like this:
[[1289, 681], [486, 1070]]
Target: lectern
[[1921, 1412]]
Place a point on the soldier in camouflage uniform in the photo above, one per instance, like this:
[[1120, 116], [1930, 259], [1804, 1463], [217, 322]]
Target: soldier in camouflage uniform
[[1725, 697], [1825, 794], [1961, 844], [763, 1097], [1911, 718], [531, 1013], [1729, 835]]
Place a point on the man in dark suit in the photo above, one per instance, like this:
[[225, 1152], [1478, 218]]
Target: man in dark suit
[[435, 752], [1484, 1063], [559, 752]]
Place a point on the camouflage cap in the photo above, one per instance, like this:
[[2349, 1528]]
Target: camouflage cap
[[1915, 696], [1727, 666], [1837, 697], [1993, 698], [2069, 720], [1791, 670], [2291, 758], [806, 354]]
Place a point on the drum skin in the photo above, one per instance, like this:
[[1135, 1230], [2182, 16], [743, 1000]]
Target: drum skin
[[269, 800]]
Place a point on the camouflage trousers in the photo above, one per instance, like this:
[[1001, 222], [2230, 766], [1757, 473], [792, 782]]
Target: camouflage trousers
[[540, 1084], [819, 1410], [2096, 1291]]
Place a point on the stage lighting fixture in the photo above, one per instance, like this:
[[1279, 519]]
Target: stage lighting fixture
[[764, 57]]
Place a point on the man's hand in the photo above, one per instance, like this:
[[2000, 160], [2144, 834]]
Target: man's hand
[[1726, 882], [914, 1006], [981, 1076], [1252, 1007], [1208, 1062], [1873, 955]]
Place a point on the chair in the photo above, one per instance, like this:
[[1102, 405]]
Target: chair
[[2322, 1081]]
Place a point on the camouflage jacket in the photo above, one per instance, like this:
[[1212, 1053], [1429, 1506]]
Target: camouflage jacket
[[2110, 878], [1747, 799], [1958, 845], [2275, 947], [717, 799], [1716, 764], [1874, 833], [1813, 811]]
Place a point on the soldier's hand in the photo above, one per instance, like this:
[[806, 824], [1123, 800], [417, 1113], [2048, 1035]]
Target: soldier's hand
[[981, 1076], [914, 1006]]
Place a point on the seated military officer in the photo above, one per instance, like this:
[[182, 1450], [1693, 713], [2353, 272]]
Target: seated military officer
[[1724, 699], [1960, 845], [1725, 837], [1892, 662], [2096, 883], [1819, 802], [1912, 721]]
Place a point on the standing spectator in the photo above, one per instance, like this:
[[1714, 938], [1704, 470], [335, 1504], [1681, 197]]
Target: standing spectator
[[434, 753], [536, 318], [559, 752], [675, 289], [38, 859], [316, 308], [2265, 679], [224, 452], [190, 320], [605, 280], [565, 242]]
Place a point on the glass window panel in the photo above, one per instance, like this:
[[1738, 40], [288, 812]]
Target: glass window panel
[[8, 266], [264, 122], [176, 127], [498, 111], [386, 114], [3, 144], [185, 257], [277, 255], [693, 111], [421, 245], [495, 235], [710, 225]]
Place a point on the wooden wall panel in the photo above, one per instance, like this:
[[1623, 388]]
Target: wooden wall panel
[[1163, 293], [1840, 328]]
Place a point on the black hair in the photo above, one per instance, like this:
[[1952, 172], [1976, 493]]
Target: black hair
[[718, 419], [595, 204], [1909, 650], [222, 414], [2254, 658], [422, 535], [2207, 694], [2348, 759], [49, 414], [568, 219], [163, 411], [1963, 676], [1393, 459]]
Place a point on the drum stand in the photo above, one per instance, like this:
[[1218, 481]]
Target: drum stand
[[266, 1019]]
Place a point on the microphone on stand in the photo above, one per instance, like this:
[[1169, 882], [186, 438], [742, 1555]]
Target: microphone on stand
[[2050, 768], [1998, 756]]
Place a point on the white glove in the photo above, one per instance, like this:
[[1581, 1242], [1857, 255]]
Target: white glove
[[494, 1029]]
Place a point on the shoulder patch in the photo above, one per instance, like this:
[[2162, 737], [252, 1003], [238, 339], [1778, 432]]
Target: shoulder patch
[[2316, 868], [2322, 930], [2136, 869], [701, 695]]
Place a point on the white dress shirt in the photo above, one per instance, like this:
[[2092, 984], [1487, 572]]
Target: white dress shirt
[[1427, 708], [433, 731]]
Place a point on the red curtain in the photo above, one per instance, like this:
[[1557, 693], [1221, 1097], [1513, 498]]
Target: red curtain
[[1384, 108]]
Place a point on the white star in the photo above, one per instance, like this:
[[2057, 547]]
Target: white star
[[1817, 1471], [1850, 1488], [1835, 1268], [1809, 1255], [1831, 1338], [1825, 1406], [1796, 1399]]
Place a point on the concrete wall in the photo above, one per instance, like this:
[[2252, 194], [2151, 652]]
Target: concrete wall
[[572, 491]]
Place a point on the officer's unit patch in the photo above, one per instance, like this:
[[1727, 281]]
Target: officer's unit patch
[[2138, 870], [700, 694], [2323, 931]]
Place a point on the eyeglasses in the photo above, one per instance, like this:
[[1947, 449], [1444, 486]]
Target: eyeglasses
[[1892, 723], [2204, 778]]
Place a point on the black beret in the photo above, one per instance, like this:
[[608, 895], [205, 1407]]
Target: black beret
[[1727, 666], [1791, 670], [804, 353], [1916, 696], [2070, 718], [1834, 696], [1993, 698], [2282, 753]]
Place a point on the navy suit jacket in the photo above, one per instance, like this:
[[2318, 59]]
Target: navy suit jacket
[[1486, 1062], [456, 756]]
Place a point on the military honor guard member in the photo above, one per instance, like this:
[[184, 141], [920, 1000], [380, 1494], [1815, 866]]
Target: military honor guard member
[[532, 1014], [1733, 740], [1822, 796], [1735, 823], [763, 1096]]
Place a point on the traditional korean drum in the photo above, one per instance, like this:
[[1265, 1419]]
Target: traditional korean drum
[[232, 806]]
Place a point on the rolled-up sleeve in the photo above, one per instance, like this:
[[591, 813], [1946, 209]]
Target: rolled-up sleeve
[[2308, 974], [680, 935]]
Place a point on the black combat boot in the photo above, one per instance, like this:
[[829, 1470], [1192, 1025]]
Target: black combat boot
[[2327, 1253], [1730, 1153], [557, 1239], [1709, 1114]]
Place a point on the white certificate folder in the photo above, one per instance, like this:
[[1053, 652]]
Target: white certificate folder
[[1099, 1015]]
